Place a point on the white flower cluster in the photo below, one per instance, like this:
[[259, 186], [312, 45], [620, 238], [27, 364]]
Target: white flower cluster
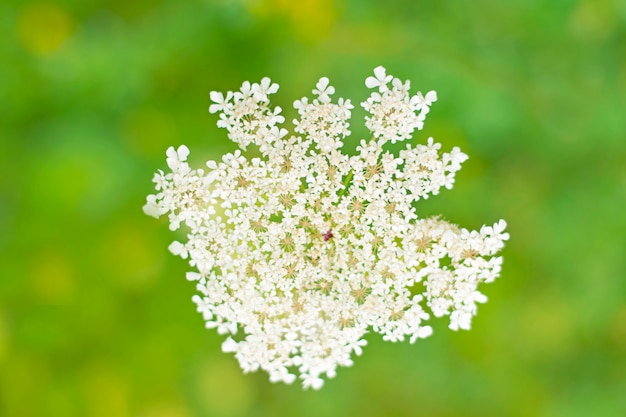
[[299, 253]]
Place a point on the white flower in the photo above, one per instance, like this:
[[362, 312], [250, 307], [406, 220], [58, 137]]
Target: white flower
[[152, 208], [423, 103], [394, 113], [323, 90], [264, 89], [380, 79], [178, 249], [175, 158], [296, 255], [221, 102]]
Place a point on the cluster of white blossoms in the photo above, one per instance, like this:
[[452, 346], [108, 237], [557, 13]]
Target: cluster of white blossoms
[[297, 254]]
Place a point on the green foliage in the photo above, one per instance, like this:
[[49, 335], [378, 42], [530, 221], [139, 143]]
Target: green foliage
[[95, 315]]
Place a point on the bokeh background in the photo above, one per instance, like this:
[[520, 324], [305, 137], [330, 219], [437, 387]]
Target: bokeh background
[[95, 314]]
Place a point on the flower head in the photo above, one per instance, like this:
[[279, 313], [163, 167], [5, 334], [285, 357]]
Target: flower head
[[297, 254]]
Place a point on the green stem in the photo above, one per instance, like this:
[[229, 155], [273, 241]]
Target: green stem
[[345, 183]]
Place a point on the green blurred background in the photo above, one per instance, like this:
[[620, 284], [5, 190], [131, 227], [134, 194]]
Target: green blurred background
[[95, 314]]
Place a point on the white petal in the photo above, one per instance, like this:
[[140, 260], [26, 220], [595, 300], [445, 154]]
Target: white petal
[[216, 97], [193, 276], [371, 82], [183, 153], [380, 73], [229, 345], [322, 83], [178, 249], [317, 383], [480, 297], [171, 152], [151, 208]]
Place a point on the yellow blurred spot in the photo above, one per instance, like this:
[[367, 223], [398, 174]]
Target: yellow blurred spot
[[43, 28], [223, 389], [134, 253], [548, 327], [4, 340], [149, 131], [594, 20], [106, 391], [618, 328], [166, 410], [23, 378], [310, 19], [52, 276]]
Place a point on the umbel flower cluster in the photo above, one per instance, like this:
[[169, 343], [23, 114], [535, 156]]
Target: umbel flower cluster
[[298, 253]]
